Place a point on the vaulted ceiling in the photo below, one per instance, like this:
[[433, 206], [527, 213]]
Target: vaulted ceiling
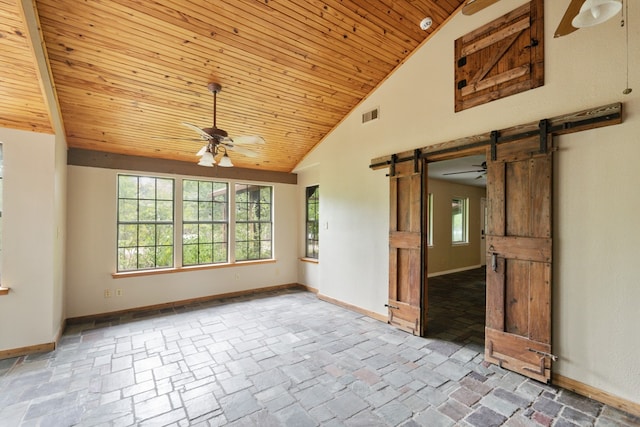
[[128, 73]]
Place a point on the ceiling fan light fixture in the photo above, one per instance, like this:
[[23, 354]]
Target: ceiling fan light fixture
[[225, 161], [594, 12], [207, 159]]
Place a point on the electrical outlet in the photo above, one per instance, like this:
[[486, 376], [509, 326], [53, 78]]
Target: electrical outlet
[[107, 293], [118, 292]]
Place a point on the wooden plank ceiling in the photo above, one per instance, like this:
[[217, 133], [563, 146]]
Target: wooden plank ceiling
[[127, 73], [22, 103]]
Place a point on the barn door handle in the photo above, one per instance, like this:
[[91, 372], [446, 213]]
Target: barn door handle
[[494, 259], [392, 306]]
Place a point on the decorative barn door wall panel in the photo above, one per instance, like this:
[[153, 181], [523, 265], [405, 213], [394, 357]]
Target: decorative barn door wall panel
[[502, 58]]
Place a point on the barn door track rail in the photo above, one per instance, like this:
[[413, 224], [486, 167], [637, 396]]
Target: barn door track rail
[[605, 115]]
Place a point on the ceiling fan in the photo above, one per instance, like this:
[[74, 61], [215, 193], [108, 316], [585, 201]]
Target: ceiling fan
[[579, 13], [219, 141], [482, 171]]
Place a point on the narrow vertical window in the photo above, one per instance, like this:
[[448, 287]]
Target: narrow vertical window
[[145, 222], [459, 219], [430, 219], [312, 234], [1, 197], [254, 222], [205, 222]]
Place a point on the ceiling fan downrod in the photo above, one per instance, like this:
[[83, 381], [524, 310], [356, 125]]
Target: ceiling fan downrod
[[214, 88]]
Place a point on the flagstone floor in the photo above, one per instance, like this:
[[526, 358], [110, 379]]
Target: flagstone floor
[[285, 359]]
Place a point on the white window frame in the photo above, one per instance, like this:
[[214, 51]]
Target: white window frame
[[464, 227]]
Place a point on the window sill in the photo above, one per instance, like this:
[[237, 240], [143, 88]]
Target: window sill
[[185, 269], [460, 244], [311, 260], [4, 291]]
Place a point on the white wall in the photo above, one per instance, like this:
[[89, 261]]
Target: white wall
[[91, 253], [596, 235], [32, 259]]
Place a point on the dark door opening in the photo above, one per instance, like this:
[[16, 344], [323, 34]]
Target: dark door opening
[[456, 284]]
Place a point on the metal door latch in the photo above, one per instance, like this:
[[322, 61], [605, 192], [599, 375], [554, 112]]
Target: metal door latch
[[544, 354], [494, 259], [392, 306]]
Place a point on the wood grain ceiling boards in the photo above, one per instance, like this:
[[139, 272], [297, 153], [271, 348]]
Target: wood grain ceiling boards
[[128, 72], [22, 104]]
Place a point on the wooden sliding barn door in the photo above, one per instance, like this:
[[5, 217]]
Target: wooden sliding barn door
[[407, 248], [519, 251]]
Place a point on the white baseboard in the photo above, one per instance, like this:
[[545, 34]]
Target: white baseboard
[[455, 270]]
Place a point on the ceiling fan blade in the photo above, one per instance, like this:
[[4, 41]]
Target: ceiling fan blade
[[457, 173], [241, 150], [160, 138], [248, 140], [197, 129], [565, 26], [474, 6]]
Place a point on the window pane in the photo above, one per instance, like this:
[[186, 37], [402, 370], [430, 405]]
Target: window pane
[[127, 236], [127, 187], [147, 210], [147, 187], [205, 211], [312, 228], [205, 191], [190, 211], [458, 221], [253, 222], [205, 234], [189, 190], [145, 222], [146, 257], [164, 256], [147, 235], [128, 210], [220, 252], [127, 259], [205, 221], [165, 211], [164, 189], [220, 211], [206, 256], [165, 234], [189, 254]]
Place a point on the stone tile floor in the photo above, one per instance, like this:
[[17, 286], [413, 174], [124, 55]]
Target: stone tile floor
[[278, 359]]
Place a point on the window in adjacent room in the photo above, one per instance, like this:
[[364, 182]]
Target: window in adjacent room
[[205, 222], [253, 222], [145, 222], [459, 219], [430, 219], [312, 235]]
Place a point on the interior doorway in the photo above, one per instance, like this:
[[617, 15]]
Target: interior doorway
[[456, 272]]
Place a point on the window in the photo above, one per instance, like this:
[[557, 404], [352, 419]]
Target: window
[[459, 215], [1, 182], [312, 235], [430, 219], [205, 222], [253, 238], [145, 222]]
